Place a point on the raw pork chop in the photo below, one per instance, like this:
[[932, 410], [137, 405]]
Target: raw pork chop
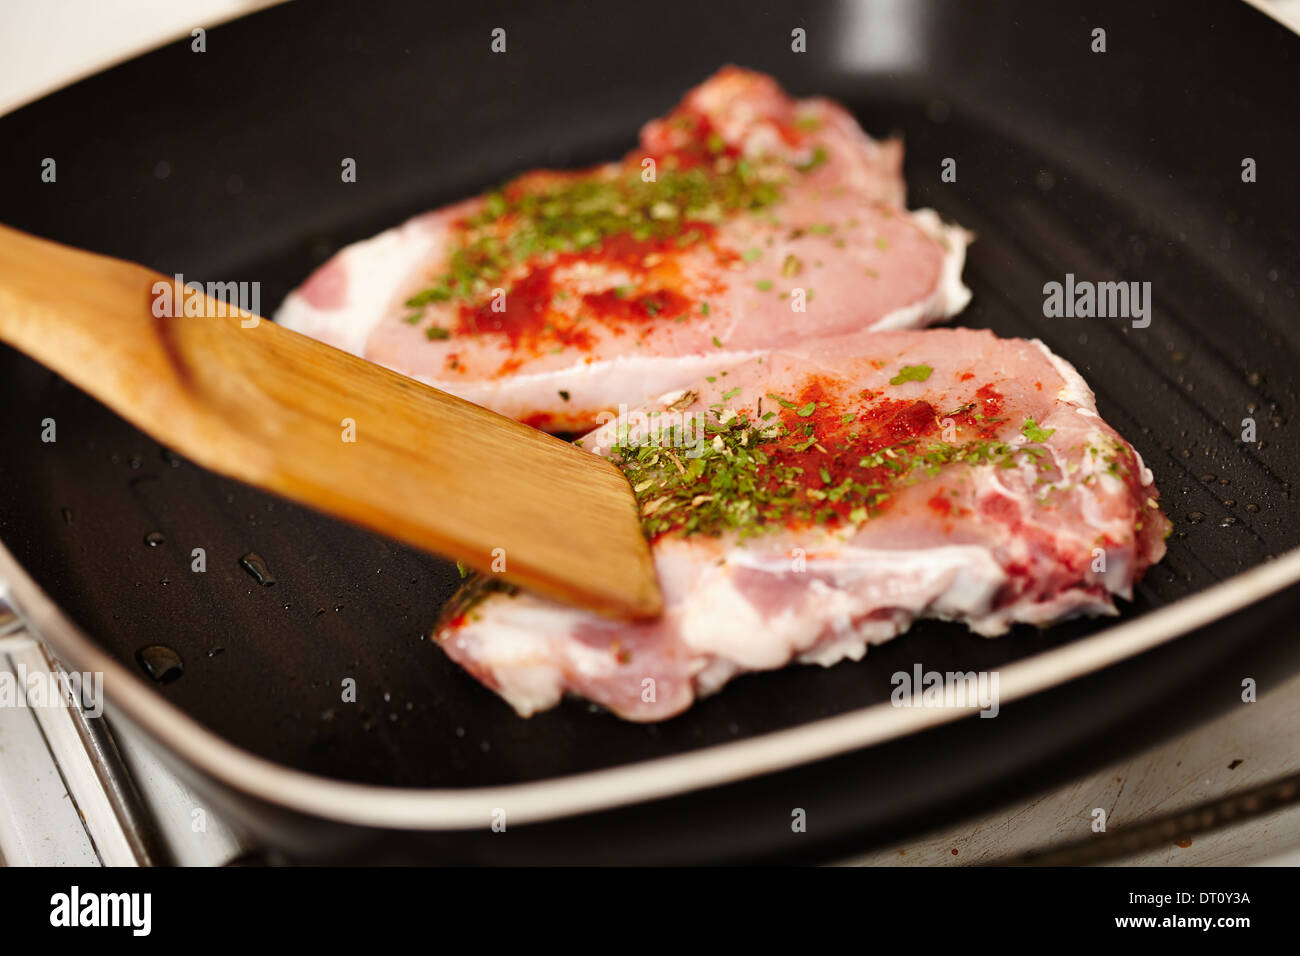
[[745, 221], [840, 490]]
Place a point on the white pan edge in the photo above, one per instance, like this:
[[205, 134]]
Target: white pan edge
[[130, 697]]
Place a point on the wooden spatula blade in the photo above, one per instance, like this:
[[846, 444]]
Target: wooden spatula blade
[[286, 413]]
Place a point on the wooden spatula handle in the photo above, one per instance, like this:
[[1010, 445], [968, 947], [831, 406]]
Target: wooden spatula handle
[[274, 408]]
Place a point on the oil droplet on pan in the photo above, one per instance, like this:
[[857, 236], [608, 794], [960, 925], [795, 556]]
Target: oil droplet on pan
[[255, 565], [160, 662]]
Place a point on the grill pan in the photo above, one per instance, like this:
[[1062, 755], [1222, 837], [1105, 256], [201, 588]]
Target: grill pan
[[224, 166]]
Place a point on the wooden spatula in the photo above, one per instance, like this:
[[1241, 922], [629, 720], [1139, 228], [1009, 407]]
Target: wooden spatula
[[283, 412]]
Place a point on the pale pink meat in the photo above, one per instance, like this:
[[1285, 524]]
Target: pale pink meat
[[1051, 515], [835, 253]]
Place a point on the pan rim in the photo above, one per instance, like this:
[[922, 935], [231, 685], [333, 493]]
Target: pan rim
[[168, 727], [1273, 14]]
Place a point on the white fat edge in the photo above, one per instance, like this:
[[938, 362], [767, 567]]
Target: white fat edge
[[1060, 607], [522, 663], [376, 271], [1076, 392], [525, 642], [852, 642], [953, 582], [950, 295], [1146, 476], [517, 637], [1104, 484], [714, 674], [717, 621], [664, 372]]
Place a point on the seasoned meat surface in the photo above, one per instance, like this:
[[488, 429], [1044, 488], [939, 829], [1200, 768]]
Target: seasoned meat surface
[[745, 220], [818, 498]]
